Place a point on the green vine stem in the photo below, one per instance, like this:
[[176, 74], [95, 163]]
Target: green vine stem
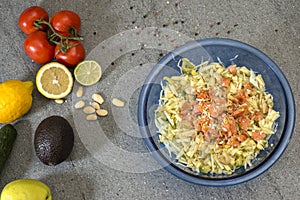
[[64, 47], [56, 38], [38, 24]]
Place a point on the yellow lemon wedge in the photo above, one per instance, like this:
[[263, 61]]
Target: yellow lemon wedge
[[26, 189], [15, 99], [88, 72], [54, 80]]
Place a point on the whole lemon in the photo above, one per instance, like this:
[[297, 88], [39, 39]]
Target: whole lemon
[[15, 99], [24, 189]]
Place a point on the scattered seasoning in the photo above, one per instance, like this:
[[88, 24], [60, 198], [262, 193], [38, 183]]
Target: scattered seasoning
[[177, 4], [121, 50], [235, 25], [173, 40], [131, 7], [143, 46], [182, 22], [175, 22], [165, 25], [157, 12], [217, 33], [168, 2], [145, 16], [196, 34], [132, 54], [159, 44], [133, 22], [94, 33], [112, 63], [161, 54], [228, 32], [276, 30], [211, 25], [218, 23]]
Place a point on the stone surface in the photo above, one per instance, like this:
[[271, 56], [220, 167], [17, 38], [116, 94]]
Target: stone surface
[[270, 25]]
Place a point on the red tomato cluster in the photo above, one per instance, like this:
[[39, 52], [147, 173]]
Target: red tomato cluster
[[56, 38]]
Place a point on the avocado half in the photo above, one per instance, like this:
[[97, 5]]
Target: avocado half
[[53, 140]]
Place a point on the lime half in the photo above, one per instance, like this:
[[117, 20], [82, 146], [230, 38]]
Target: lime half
[[88, 72]]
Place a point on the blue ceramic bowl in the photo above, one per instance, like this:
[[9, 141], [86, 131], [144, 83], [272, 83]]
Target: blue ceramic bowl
[[227, 51]]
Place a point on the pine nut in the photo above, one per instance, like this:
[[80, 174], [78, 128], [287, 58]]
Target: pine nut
[[98, 98], [79, 92], [118, 102], [102, 112], [79, 104], [59, 101], [91, 117], [89, 110], [95, 105]]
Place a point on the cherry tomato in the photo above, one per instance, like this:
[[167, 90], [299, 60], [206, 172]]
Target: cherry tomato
[[72, 56], [38, 48], [65, 22], [29, 16]]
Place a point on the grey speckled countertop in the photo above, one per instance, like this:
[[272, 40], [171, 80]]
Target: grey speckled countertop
[[272, 26]]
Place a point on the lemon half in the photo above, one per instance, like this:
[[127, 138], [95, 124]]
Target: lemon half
[[88, 72], [54, 80]]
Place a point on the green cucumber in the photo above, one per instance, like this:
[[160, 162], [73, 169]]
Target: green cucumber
[[8, 136]]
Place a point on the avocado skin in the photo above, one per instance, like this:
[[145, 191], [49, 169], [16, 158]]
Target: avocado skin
[[53, 140]]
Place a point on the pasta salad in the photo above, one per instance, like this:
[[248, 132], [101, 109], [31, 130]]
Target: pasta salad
[[215, 119]]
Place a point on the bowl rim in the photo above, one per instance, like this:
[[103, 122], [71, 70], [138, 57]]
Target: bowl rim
[[278, 151]]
